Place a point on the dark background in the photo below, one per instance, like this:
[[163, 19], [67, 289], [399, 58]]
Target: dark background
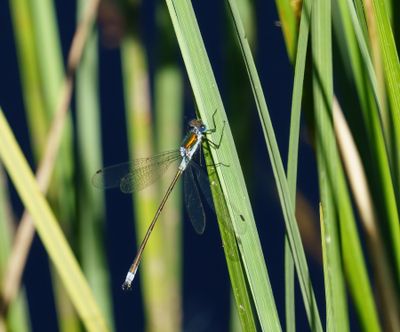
[[206, 302]]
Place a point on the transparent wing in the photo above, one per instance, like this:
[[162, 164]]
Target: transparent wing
[[194, 206], [135, 175], [204, 183]]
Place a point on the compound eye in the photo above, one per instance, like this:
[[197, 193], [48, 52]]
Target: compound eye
[[202, 128]]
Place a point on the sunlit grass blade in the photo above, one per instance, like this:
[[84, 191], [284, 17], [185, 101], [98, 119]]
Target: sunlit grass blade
[[280, 177], [231, 179], [16, 316], [49, 231], [91, 202]]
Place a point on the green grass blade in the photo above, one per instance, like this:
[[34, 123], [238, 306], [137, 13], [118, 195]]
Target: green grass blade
[[239, 99], [51, 71], [391, 64], [390, 124], [391, 211], [233, 186], [236, 271], [327, 265], [382, 186], [359, 8], [359, 285], [280, 178], [49, 231], [243, 315], [234, 322], [300, 62], [91, 202], [48, 50], [389, 56], [30, 75], [364, 51], [356, 271], [239, 102], [141, 144], [290, 295], [327, 156], [17, 316], [289, 23], [168, 108], [291, 32], [37, 48], [47, 63]]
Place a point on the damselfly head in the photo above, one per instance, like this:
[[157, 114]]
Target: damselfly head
[[198, 124]]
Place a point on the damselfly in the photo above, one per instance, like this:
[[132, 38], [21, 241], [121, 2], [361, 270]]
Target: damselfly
[[138, 174]]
